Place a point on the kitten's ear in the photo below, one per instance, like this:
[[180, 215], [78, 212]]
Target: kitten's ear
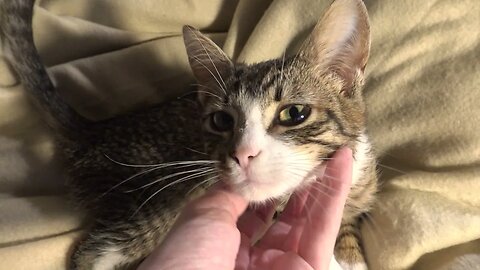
[[340, 42], [207, 60]]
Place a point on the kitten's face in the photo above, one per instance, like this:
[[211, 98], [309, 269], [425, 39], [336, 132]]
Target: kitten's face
[[276, 128], [278, 121]]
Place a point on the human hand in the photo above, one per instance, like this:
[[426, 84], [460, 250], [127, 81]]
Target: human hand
[[211, 233]]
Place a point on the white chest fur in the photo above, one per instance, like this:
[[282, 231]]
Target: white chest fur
[[361, 158]]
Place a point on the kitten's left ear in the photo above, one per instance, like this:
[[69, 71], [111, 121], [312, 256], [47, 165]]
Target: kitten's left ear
[[207, 60], [340, 42]]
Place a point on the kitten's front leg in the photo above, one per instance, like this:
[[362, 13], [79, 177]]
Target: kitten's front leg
[[122, 243], [334, 265], [348, 251], [103, 250]]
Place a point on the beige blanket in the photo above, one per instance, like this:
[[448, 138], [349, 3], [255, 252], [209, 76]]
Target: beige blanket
[[423, 94]]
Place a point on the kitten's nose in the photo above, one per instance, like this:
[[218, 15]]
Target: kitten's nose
[[244, 155]]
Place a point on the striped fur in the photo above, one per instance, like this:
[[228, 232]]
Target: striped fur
[[17, 42]]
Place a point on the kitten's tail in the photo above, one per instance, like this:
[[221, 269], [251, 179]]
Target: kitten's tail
[[17, 42]]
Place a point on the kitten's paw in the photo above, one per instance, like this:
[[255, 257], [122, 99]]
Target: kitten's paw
[[353, 266], [334, 265], [342, 265]]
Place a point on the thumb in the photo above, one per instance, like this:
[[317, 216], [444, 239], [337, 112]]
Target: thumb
[[205, 235], [218, 205]]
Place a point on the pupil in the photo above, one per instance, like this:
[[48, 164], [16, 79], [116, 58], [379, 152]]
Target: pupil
[[222, 121], [294, 113]]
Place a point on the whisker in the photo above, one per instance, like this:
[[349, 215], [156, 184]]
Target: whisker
[[126, 164], [158, 180], [159, 164], [322, 191], [391, 168], [316, 201], [214, 180], [211, 73], [200, 91], [205, 49], [196, 151], [283, 64], [178, 164], [307, 211], [128, 179], [373, 227], [302, 46], [181, 180], [210, 93]]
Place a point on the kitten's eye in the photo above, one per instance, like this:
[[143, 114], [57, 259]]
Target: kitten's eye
[[293, 115], [221, 121]]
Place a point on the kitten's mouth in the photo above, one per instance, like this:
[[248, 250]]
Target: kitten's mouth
[[256, 189]]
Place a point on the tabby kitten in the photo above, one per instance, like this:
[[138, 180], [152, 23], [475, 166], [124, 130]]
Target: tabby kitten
[[263, 129]]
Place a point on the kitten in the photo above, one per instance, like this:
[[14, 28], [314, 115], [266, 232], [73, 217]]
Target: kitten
[[263, 129]]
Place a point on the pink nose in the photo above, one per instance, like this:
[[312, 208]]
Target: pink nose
[[243, 155]]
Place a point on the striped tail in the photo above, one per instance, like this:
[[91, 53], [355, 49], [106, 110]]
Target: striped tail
[[17, 42]]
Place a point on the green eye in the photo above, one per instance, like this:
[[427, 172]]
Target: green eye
[[292, 115]]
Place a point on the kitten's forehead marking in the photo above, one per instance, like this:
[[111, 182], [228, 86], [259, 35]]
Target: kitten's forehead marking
[[258, 91], [257, 109], [261, 79], [279, 88], [254, 118]]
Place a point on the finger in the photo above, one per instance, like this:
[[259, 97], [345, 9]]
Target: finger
[[295, 206], [210, 223], [218, 204], [333, 180], [294, 215], [242, 261], [277, 234], [254, 222], [265, 211], [293, 237], [276, 259], [325, 207], [291, 260]]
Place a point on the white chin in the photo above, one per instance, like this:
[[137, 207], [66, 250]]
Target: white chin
[[261, 192], [258, 193], [255, 194]]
